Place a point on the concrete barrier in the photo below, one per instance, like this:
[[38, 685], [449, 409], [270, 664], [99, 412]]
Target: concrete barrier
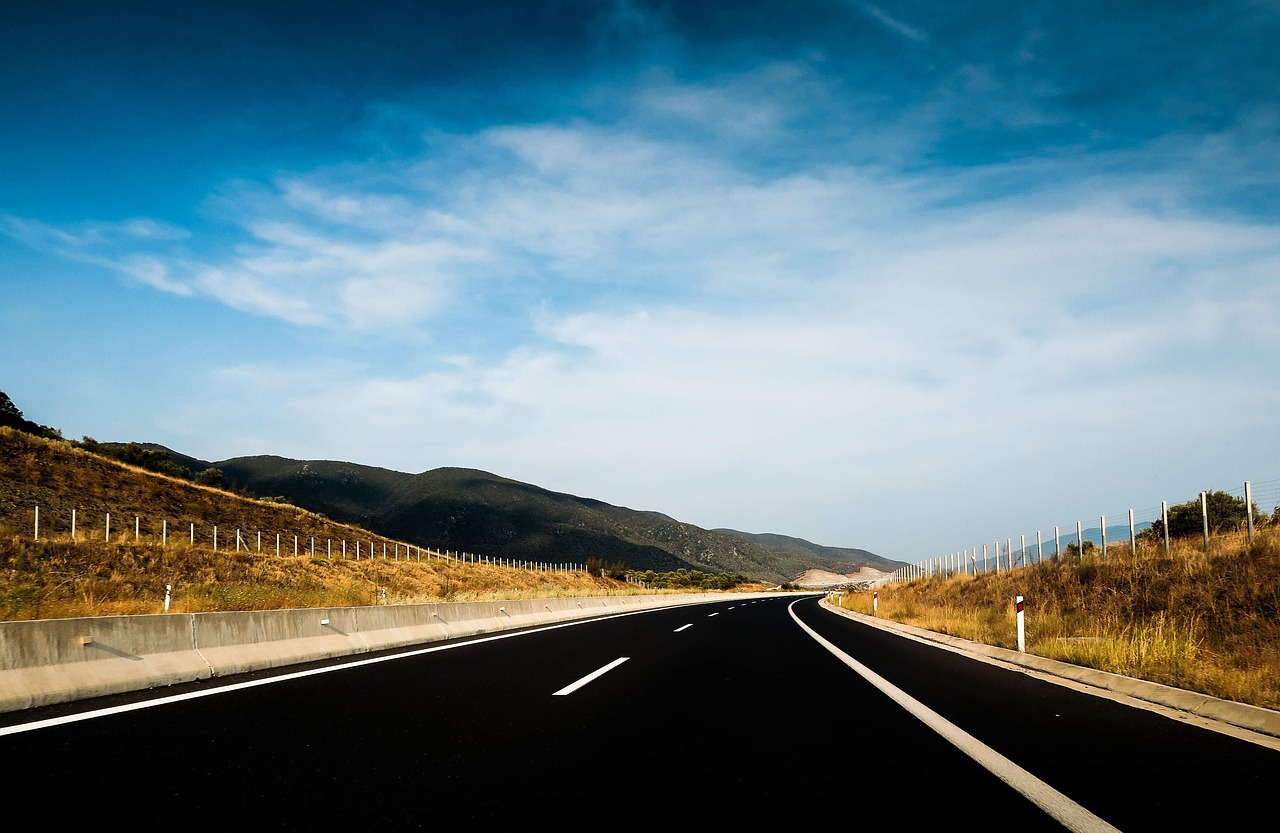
[[52, 661]]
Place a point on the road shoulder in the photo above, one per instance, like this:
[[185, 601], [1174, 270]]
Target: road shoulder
[[1252, 723]]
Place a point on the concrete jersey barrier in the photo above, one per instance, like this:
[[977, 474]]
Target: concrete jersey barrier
[[50, 661]]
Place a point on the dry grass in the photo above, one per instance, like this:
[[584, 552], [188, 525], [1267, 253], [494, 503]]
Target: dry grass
[[53, 579], [58, 576], [1204, 621]]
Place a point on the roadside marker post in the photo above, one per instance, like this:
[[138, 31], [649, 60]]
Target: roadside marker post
[[875, 601], [1022, 633]]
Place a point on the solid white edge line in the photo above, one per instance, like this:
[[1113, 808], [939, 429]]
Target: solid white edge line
[[1073, 816], [280, 678], [572, 687]]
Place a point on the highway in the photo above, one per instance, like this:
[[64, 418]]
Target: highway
[[764, 711]]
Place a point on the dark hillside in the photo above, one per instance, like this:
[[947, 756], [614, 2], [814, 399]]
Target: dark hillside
[[457, 509], [476, 511]]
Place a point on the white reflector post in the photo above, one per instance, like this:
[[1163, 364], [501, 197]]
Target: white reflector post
[[1022, 633]]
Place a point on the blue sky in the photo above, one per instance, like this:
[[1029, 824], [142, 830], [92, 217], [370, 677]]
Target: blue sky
[[902, 276]]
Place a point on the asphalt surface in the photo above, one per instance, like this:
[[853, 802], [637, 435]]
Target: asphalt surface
[[727, 712]]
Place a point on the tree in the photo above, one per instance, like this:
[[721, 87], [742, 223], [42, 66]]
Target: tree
[[1225, 510], [11, 417], [212, 477], [9, 411]]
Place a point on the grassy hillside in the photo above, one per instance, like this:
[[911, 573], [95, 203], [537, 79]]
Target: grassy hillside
[[122, 566], [1202, 620]]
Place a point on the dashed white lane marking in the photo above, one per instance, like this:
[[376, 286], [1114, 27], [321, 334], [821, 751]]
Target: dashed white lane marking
[[281, 678], [572, 687], [1073, 816], [682, 627], [709, 615]]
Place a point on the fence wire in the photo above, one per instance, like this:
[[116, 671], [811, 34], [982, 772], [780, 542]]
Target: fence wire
[[1105, 530]]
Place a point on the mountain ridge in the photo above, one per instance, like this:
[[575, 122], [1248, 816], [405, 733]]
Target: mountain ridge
[[479, 511]]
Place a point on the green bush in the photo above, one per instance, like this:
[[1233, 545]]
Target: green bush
[[212, 477], [1227, 513]]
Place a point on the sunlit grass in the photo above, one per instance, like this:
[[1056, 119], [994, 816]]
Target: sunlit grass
[[60, 578], [1207, 621]]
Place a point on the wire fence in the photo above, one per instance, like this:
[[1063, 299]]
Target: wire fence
[[79, 528], [1106, 530]]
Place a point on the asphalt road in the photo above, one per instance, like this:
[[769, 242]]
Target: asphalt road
[[728, 712]]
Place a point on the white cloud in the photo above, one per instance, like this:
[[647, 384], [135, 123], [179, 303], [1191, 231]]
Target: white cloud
[[731, 344], [950, 366]]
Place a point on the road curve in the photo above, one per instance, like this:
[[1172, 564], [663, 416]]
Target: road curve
[[730, 711]]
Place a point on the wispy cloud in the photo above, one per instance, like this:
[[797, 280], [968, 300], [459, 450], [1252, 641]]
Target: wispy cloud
[[880, 15], [949, 341], [706, 283]]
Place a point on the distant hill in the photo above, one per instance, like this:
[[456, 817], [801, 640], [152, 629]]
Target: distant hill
[[473, 511], [476, 511], [846, 560]]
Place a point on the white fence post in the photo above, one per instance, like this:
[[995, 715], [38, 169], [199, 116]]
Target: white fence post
[[108, 538], [1080, 539], [1133, 535], [1204, 513], [1248, 507], [37, 533], [1103, 524], [73, 524], [1164, 516]]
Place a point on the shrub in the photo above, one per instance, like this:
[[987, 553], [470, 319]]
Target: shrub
[[212, 477]]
